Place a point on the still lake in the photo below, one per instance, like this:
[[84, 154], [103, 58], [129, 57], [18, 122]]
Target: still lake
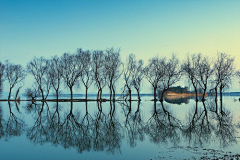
[[120, 130]]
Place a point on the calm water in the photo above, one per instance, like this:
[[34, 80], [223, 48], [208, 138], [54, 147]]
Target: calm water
[[108, 130]]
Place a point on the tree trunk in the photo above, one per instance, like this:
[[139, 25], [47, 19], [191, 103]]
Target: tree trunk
[[42, 93], [113, 93], [86, 93], [216, 94], [139, 98], [204, 92], [57, 94], [98, 94], [17, 93], [155, 93], [130, 94], [163, 91], [71, 93], [221, 102], [221, 92], [110, 88], [196, 96], [10, 91]]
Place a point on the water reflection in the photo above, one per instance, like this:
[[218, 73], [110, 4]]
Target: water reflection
[[163, 126], [14, 126], [103, 128], [134, 125]]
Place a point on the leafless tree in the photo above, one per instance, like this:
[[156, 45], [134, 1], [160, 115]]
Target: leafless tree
[[137, 77], [1, 74], [224, 71], [112, 66], [154, 72], [55, 74], [189, 68], [71, 69], [98, 60], [172, 74], [39, 69], [204, 72], [87, 74], [33, 92], [15, 74], [128, 72]]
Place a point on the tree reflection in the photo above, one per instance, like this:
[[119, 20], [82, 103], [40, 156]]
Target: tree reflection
[[39, 132], [225, 128], [98, 129], [198, 129], [102, 131], [54, 125], [1, 123], [113, 131], [73, 133], [14, 125], [134, 124], [163, 126]]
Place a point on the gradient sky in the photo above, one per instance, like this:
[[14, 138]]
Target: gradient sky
[[145, 28]]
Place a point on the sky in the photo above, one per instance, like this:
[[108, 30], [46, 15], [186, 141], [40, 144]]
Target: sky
[[148, 28]]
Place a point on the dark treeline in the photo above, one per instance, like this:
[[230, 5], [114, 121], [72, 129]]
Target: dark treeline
[[103, 68]]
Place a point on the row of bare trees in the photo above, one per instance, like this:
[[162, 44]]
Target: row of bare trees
[[104, 69]]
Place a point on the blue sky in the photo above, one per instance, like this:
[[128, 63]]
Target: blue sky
[[145, 28]]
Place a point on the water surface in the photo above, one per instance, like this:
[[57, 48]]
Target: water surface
[[119, 130]]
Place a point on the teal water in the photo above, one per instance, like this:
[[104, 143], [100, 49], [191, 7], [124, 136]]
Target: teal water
[[108, 130]]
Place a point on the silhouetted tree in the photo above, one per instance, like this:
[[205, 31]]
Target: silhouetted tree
[[128, 76], [189, 68], [71, 69], [137, 77], [172, 75], [224, 70], [55, 74], [98, 60], [204, 72], [155, 72], [15, 74], [112, 69], [1, 74], [39, 69], [33, 92], [87, 74]]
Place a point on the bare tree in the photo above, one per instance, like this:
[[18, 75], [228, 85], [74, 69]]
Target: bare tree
[[189, 68], [39, 69], [1, 74], [224, 70], [15, 74], [87, 74], [55, 74], [172, 74], [154, 72], [71, 69], [204, 72], [98, 60], [137, 77], [128, 75], [33, 92], [112, 66]]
